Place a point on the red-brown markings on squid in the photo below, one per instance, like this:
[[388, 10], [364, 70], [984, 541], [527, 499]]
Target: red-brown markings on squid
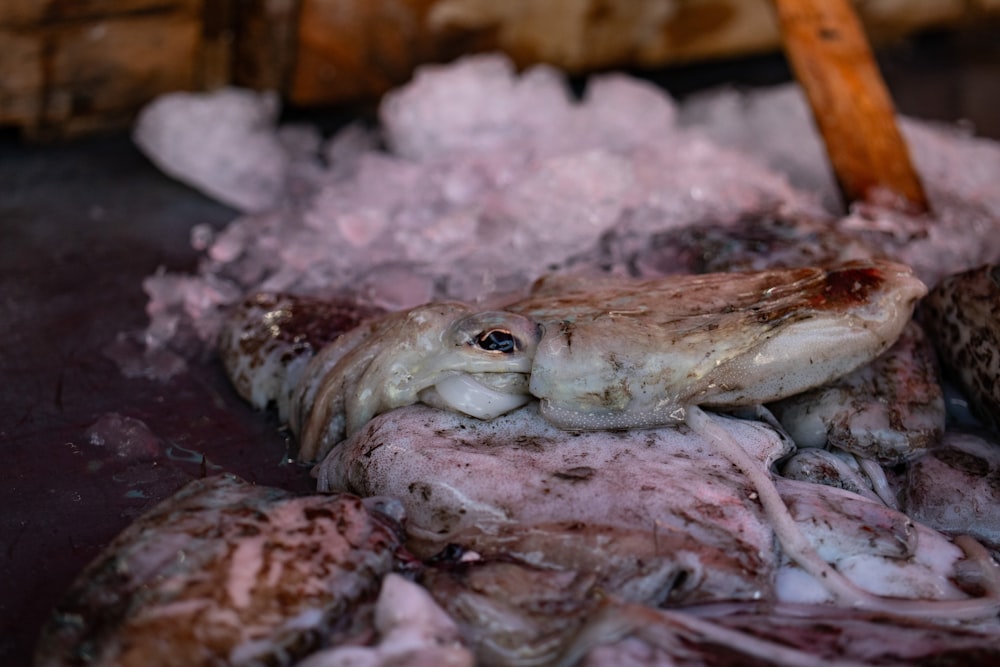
[[317, 322], [847, 287]]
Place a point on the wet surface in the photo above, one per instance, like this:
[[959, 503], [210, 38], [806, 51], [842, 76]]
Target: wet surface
[[85, 449]]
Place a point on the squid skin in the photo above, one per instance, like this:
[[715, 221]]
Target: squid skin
[[962, 315], [228, 572], [608, 353], [636, 354], [269, 339]]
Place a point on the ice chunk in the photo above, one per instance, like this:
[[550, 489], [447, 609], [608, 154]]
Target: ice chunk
[[773, 124], [345, 148], [136, 358], [412, 629], [476, 104], [620, 111], [222, 143], [568, 201], [184, 308], [959, 173], [124, 437]]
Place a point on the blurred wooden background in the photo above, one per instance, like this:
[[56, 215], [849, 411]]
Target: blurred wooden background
[[69, 67]]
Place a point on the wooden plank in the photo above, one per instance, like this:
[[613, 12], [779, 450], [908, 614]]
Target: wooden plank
[[350, 51], [119, 65], [214, 60], [333, 61], [834, 65], [20, 77], [74, 66], [334, 51], [98, 75], [264, 46], [33, 13], [356, 49], [582, 35]]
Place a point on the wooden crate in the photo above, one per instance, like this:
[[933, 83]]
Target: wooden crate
[[349, 49], [73, 66], [70, 67]]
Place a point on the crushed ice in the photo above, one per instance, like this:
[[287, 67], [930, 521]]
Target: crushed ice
[[480, 179]]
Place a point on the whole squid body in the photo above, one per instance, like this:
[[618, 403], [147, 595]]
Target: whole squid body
[[598, 353]]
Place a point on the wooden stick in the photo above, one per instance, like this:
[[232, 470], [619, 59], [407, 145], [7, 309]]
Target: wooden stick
[[829, 53]]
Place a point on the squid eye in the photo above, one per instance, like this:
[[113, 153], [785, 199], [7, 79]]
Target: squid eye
[[498, 340]]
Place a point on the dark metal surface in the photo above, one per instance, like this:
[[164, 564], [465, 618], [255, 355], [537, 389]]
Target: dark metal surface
[[80, 226]]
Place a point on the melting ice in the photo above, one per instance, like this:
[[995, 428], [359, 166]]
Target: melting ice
[[479, 179]]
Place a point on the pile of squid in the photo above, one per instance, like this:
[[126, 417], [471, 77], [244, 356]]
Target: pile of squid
[[605, 470]]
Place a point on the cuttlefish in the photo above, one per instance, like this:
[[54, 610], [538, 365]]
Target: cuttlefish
[[597, 352]]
